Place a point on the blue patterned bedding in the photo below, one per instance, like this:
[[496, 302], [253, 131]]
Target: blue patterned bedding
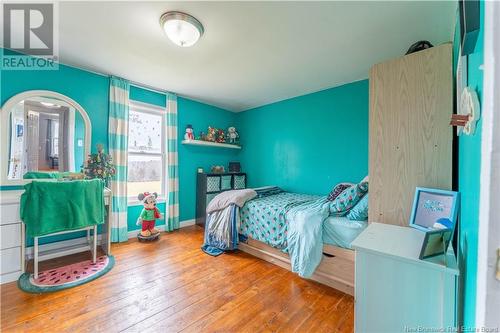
[[264, 219]]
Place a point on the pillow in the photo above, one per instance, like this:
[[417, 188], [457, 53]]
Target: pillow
[[360, 211], [348, 199], [339, 188]]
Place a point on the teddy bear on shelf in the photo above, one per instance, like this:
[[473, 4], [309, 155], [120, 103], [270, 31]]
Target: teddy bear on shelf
[[232, 135], [189, 133], [211, 134], [221, 137], [149, 214]]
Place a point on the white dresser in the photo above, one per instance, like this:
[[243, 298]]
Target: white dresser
[[12, 240], [395, 290]]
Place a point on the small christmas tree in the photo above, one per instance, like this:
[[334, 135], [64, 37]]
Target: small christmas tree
[[99, 166]]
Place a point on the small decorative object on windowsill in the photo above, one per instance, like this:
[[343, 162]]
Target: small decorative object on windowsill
[[469, 112], [99, 166], [232, 135], [189, 133], [217, 169]]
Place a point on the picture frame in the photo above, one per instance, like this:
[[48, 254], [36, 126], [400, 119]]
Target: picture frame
[[434, 209], [435, 243]]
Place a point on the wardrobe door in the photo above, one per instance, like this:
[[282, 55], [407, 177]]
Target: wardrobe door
[[411, 102]]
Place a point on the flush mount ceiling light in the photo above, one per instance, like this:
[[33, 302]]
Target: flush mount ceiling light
[[181, 28]]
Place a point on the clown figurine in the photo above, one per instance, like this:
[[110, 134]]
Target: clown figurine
[[149, 215]]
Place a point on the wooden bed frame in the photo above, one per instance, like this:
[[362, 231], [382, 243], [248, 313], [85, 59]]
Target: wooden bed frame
[[335, 270]]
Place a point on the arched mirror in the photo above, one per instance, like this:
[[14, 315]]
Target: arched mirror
[[44, 134]]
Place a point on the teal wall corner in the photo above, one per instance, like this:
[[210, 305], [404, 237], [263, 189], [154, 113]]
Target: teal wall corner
[[309, 143], [200, 116]]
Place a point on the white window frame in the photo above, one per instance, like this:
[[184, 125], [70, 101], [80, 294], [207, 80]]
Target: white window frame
[[137, 106]]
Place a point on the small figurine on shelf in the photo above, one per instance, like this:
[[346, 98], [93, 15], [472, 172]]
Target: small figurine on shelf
[[212, 133], [232, 135], [189, 133], [221, 137], [202, 136], [148, 216], [217, 169]]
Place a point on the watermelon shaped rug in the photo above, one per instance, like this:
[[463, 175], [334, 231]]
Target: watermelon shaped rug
[[66, 276]]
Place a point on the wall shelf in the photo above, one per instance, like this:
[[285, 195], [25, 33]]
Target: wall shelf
[[210, 144]]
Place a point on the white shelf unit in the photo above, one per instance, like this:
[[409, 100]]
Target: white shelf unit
[[210, 144]]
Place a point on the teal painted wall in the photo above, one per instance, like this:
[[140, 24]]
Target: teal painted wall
[[91, 91], [469, 164], [191, 157], [308, 144], [200, 116]]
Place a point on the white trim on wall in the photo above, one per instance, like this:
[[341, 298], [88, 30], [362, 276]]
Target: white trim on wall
[[487, 286]]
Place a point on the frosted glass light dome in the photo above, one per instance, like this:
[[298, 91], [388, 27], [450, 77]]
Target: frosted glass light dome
[[182, 29]]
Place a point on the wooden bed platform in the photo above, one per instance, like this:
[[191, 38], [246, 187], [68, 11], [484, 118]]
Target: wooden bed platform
[[335, 270]]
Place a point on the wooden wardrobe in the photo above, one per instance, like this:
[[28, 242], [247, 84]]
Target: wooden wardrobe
[[411, 102]]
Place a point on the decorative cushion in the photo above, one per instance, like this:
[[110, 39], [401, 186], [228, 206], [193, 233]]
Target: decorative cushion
[[348, 199], [339, 188], [360, 211]]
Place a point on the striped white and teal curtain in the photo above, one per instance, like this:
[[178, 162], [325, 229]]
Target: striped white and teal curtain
[[172, 221], [118, 148]]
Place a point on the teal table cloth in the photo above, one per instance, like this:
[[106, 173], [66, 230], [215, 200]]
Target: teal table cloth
[[49, 207]]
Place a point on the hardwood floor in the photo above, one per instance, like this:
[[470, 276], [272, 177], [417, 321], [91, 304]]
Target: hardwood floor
[[171, 286]]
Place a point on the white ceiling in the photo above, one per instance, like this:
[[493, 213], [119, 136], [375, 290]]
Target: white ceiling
[[252, 53]]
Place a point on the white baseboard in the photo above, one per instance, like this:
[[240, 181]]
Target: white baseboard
[[10, 277]]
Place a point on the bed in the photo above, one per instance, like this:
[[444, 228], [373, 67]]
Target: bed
[[264, 227]]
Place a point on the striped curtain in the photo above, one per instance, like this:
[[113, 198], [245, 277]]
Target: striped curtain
[[172, 222], [118, 148]]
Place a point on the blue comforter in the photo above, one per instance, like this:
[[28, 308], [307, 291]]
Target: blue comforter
[[291, 222]]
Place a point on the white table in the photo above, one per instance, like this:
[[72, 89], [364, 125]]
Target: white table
[[64, 251]]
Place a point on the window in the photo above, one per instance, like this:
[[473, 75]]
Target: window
[[146, 150]]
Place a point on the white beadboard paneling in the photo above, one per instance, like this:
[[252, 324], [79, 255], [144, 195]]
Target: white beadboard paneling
[[11, 260], [10, 235], [9, 214]]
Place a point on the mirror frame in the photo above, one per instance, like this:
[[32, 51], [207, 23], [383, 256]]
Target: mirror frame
[[5, 111]]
